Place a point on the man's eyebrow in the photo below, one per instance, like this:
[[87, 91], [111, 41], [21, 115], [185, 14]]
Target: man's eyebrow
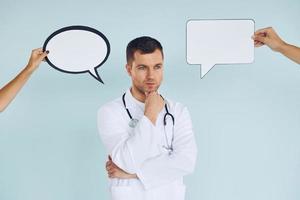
[[142, 65]]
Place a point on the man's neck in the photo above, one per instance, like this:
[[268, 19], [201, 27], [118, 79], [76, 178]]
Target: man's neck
[[137, 94]]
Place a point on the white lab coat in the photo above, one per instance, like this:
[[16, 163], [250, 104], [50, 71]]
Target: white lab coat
[[140, 151]]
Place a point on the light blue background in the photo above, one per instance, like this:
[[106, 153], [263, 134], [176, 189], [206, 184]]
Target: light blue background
[[246, 117]]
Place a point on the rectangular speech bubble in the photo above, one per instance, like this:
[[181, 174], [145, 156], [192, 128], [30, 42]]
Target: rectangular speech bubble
[[222, 41]]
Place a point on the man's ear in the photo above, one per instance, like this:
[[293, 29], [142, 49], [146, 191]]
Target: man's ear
[[128, 69]]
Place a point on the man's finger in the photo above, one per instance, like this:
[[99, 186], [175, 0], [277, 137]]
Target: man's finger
[[111, 170], [112, 173], [112, 176], [108, 164], [108, 168], [147, 93]]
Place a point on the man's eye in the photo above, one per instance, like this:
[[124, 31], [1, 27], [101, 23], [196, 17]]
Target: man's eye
[[157, 66], [141, 67]]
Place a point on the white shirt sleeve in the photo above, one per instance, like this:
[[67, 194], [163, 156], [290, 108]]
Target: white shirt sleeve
[[127, 151], [166, 168]]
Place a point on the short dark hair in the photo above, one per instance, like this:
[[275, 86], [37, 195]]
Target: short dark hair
[[144, 44]]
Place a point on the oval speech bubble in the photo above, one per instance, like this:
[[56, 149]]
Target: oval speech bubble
[[77, 49]]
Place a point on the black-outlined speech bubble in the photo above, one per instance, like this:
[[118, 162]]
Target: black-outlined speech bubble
[[77, 49]]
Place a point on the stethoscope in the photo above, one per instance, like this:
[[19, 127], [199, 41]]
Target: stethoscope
[[133, 122]]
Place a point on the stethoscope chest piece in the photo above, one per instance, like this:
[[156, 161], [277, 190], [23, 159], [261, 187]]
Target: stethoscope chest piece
[[133, 122]]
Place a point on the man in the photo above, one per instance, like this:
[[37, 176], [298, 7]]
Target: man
[[11, 89], [268, 36], [149, 139]]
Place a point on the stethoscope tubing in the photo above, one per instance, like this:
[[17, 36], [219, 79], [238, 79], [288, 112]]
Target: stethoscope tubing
[[169, 147]]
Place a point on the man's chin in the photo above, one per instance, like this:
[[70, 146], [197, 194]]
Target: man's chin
[[151, 89]]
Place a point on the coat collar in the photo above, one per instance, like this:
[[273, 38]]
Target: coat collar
[[132, 102]]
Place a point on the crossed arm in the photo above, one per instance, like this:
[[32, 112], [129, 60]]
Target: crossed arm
[[138, 155], [153, 105]]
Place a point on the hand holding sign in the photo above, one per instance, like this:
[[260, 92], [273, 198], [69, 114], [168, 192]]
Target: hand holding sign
[[77, 49]]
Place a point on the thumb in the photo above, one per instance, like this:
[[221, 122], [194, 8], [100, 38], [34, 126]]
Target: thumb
[[109, 158]]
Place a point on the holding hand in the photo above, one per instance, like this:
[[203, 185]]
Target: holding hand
[[37, 56], [268, 36]]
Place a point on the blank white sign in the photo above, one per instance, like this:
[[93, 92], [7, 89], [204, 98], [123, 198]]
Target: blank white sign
[[211, 42]]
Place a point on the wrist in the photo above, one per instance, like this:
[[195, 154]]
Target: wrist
[[131, 176], [29, 69], [283, 47], [151, 117]]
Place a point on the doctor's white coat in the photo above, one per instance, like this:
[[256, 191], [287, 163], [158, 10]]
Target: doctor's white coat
[[140, 150]]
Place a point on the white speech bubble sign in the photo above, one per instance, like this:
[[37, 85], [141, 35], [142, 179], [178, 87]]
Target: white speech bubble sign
[[223, 41], [77, 49]]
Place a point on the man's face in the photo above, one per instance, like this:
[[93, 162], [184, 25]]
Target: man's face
[[146, 71]]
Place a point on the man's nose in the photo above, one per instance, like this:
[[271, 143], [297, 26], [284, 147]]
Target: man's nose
[[150, 73]]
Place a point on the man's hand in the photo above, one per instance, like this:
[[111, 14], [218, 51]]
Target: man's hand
[[153, 105], [37, 56], [268, 36], [115, 172]]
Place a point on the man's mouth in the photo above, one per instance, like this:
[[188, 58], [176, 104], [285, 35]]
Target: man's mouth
[[150, 84]]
